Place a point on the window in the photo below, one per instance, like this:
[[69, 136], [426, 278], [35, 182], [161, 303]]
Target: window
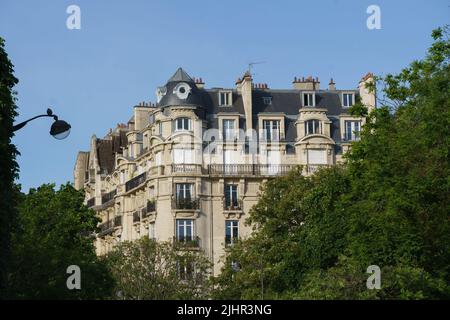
[[184, 191], [185, 268], [347, 99], [229, 129], [185, 230], [317, 156], [313, 127], [271, 130], [267, 100], [352, 130], [158, 158], [183, 124], [225, 98], [231, 231], [151, 231], [183, 156], [309, 99], [231, 196]]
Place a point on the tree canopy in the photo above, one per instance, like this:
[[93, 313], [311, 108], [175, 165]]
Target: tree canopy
[[387, 205]]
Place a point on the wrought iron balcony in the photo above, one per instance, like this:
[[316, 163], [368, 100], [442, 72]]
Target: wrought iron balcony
[[229, 241], [232, 205], [185, 203], [90, 203], [147, 210], [109, 196], [186, 242], [136, 217], [135, 182], [311, 168]]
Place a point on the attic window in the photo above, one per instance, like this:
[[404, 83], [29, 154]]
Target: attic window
[[225, 98], [309, 99], [348, 99], [267, 100]]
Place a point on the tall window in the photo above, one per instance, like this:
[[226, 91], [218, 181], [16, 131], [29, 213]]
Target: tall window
[[313, 127], [185, 230], [352, 130], [229, 129], [151, 231], [309, 99], [231, 231], [347, 99], [184, 191], [271, 130], [183, 156], [225, 98], [231, 196], [183, 124], [185, 268]]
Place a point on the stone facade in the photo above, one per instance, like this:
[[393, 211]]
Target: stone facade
[[188, 168]]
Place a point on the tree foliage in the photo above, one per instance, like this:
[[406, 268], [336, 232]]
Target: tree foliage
[[53, 232], [388, 205], [8, 165], [148, 270]]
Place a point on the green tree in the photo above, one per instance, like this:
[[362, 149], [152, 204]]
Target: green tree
[[148, 270], [8, 165], [388, 205], [55, 231]]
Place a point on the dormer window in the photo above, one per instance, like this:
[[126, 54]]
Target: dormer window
[[225, 98], [313, 127], [309, 99], [267, 100], [348, 99], [183, 124]]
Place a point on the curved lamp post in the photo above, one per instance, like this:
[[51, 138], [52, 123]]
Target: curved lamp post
[[59, 129]]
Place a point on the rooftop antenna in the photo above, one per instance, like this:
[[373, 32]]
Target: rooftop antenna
[[251, 64]]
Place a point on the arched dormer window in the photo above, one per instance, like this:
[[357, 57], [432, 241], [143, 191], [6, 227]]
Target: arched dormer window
[[313, 127], [182, 124]]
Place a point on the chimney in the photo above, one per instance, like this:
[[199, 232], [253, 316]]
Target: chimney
[[306, 84], [368, 97], [245, 86], [331, 85], [199, 83]]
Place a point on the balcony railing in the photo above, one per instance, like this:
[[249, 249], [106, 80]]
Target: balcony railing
[[117, 221], [136, 217], [151, 207], [229, 241], [186, 242], [135, 182], [109, 196], [90, 203], [185, 203], [311, 168], [233, 205], [250, 169], [187, 168]]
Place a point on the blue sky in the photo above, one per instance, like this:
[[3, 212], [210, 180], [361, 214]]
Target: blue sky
[[125, 49]]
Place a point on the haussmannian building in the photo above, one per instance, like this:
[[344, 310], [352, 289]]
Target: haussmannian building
[[188, 168]]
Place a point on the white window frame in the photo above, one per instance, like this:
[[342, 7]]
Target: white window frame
[[183, 124], [234, 194], [267, 100], [182, 188], [313, 122], [229, 134], [308, 103], [184, 224], [271, 134], [233, 226], [352, 135], [352, 94], [183, 156], [227, 97]]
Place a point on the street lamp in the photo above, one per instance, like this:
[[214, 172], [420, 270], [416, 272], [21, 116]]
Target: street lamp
[[59, 129]]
